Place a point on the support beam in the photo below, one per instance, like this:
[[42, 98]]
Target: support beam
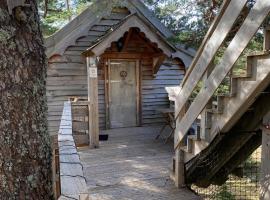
[[179, 168], [265, 168], [266, 45], [157, 62], [127, 39], [93, 101]]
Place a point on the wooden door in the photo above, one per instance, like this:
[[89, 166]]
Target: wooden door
[[123, 94]]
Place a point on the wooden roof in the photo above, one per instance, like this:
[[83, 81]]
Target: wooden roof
[[132, 21], [94, 15]]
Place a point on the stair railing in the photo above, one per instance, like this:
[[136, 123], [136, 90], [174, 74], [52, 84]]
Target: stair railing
[[224, 22]]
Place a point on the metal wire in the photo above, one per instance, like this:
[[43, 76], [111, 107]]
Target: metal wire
[[242, 185]]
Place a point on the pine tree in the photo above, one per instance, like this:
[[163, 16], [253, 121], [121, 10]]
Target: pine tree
[[25, 153]]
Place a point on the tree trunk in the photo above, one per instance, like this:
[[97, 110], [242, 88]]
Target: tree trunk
[[25, 154]]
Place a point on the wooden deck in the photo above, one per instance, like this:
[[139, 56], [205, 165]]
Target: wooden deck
[[131, 165]]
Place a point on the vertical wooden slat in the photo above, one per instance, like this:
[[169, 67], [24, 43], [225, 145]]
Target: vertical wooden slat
[[266, 45], [138, 95], [179, 168], [93, 102], [265, 168], [106, 66]]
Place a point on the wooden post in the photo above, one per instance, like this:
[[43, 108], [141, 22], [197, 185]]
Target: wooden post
[[265, 168], [93, 101], [179, 168], [266, 45], [205, 115]]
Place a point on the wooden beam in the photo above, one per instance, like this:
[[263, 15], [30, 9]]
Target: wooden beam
[[134, 21], [265, 168], [266, 45], [238, 44], [71, 173], [233, 139], [179, 168], [128, 55], [157, 61], [206, 39], [129, 34], [205, 56], [93, 101]]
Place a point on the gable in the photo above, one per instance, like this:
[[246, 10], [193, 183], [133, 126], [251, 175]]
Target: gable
[[96, 22], [94, 17], [133, 21]]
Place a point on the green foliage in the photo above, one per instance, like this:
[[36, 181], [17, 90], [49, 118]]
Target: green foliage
[[189, 19], [224, 194], [58, 13]]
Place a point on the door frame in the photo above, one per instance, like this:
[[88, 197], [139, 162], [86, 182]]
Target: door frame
[[138, 90]]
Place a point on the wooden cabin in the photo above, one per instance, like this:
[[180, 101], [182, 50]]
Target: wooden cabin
[[121, 61], [135, 62]]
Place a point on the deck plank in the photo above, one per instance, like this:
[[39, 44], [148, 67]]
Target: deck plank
[[131, 165]]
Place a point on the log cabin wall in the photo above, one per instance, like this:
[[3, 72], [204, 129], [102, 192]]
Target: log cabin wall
[[154, 95]]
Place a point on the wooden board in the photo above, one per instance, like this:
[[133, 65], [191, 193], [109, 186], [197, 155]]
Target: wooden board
[[123, 94], [232, 53], [212, 45], [131, 165]]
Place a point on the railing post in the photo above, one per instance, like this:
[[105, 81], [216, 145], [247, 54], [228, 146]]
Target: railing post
[[93, 101], [205, 115], [266, 44], [265, 168], [179, 176], [179, 168]]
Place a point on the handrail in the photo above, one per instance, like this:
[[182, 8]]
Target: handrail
[[72, 181], [208, 35], [251, 24], [223, 25]]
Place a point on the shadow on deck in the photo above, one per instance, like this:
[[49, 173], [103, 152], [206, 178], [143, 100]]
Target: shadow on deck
[[131, 165]]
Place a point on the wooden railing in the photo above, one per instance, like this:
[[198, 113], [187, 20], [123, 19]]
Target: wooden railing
[[72, 180], [201, 65], [80, 122]]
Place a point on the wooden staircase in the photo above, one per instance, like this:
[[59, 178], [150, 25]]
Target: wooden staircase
[[218, 117]]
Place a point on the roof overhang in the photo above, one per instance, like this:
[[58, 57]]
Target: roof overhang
[[133, 21]]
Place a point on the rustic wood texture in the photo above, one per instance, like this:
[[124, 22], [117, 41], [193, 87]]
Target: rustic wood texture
[[232, 53], [67, 76], [151, 87], [78, 27], [131, 165], [123, 93], [203, 59], [230, 148], [72, 179], [265, 168], [67, 73], [92, 75], [128, 23]]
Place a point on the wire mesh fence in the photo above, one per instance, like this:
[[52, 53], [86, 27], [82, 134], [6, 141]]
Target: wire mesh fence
[[242, 184]]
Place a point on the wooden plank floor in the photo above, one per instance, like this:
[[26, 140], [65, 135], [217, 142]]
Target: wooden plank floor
[[131, 165]]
